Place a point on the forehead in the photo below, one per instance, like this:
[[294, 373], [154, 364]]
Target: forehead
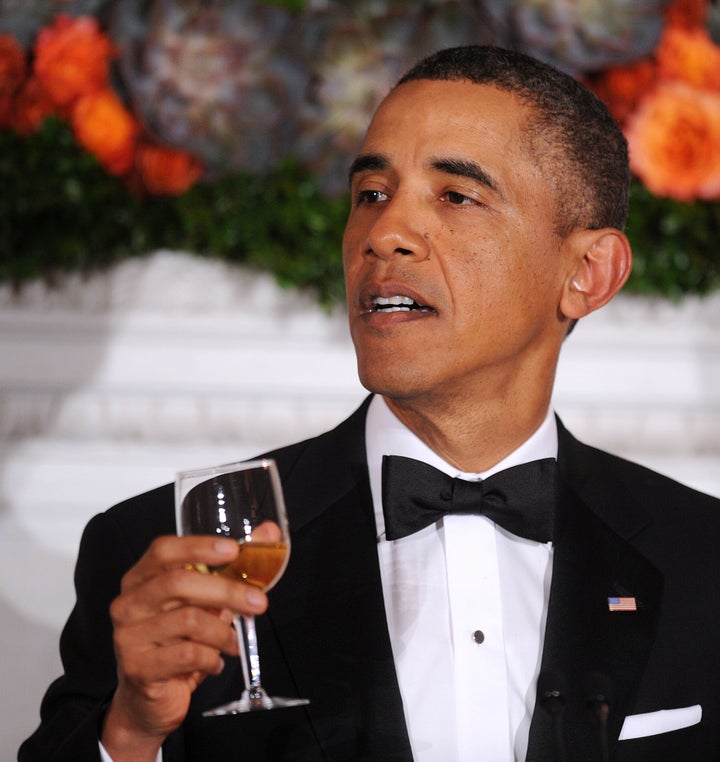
[[423, 119], [451, 112]]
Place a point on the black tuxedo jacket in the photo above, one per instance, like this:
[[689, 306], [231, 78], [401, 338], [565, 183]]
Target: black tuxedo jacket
[[621, 530]]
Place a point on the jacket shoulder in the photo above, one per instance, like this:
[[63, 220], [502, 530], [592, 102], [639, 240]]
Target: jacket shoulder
[[143, 517], [672, 522], [649, 486]]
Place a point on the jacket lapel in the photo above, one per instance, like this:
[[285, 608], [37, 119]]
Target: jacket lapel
[[594, 560], [348, 674]]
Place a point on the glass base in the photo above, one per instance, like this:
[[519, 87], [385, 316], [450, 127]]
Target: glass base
[[255, 701]]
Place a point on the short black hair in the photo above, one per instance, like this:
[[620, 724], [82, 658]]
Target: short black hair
[[572, 131]]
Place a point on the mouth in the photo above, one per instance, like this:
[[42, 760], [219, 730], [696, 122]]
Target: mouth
[[397, 303]]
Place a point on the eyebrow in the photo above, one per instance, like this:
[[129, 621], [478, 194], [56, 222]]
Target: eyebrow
[[466, 168], [459, 167], [367, 162]]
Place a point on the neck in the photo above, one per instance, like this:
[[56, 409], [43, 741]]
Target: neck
[[473, 438]]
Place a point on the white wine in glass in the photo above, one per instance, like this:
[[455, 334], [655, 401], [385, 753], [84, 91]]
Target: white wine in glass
[[243, 501]]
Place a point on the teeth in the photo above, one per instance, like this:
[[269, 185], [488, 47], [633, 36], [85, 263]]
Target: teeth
[[393, 301], [397, 303]]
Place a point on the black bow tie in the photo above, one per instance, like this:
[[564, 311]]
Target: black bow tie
[[520, 499]]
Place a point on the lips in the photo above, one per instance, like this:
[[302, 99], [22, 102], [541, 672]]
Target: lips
[[388, 298]]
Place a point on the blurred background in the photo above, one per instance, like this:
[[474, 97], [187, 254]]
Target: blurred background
[[172, 197]]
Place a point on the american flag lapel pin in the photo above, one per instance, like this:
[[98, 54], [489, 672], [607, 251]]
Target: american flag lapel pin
[[627, 603]]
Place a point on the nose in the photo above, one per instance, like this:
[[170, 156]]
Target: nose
[[397, 230]]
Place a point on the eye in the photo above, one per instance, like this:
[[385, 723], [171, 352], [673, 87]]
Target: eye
[[459, 199], [370, 197]]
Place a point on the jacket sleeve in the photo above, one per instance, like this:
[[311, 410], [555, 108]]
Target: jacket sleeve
[[73, 706]]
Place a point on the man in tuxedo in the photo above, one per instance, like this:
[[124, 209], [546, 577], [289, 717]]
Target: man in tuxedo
[[452, 544]]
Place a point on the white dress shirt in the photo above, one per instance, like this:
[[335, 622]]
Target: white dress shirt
[[105, 757], [466, 604]]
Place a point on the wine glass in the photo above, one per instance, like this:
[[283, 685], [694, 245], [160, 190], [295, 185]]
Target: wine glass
[[243, 501]]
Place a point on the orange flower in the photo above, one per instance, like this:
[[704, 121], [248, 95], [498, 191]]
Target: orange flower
[[689, 55], [12, 64], [71, 58], [105, 128], [687, 13], [166, 171], [621, 88], [674, 140], [31, 106], [12, 72]]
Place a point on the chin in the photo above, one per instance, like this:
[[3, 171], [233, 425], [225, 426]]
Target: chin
[[395, 383]]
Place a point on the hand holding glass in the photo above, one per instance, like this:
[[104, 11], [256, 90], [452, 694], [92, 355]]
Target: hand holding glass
[[243, 501]]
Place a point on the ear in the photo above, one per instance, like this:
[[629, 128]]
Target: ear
[[601, 265]]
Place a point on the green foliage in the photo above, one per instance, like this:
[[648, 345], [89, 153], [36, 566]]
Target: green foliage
[[676, 245], [57, 206], [59, 211], [278, 222], [290, 5]]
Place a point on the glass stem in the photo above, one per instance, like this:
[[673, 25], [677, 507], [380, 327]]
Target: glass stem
[[249, 659]]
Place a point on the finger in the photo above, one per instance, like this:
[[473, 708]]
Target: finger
[[268, 531], [180, 587], [169, 552], [161, 664], [191, 624]]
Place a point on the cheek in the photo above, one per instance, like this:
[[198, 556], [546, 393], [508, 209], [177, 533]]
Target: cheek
[[348, 260], [479, 277], [354, 235], [497, 287]]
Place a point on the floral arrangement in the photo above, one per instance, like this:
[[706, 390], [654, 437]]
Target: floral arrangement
[[225, 128], [668, 103], [69, 78]]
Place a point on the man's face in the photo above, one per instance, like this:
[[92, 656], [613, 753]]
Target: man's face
[[453, 270]]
